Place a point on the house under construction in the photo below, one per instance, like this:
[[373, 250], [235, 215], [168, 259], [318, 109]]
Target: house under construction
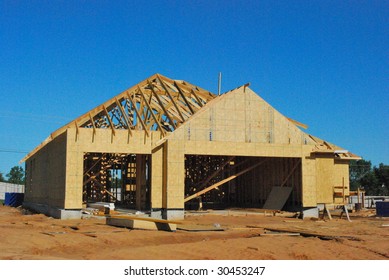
[[164, 146]]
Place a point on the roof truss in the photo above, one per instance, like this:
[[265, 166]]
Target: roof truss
[[156, 104]]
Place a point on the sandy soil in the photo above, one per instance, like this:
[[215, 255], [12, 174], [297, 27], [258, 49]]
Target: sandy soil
[[245, 237]]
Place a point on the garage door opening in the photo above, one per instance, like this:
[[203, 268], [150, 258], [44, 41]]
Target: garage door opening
[[221, 182]]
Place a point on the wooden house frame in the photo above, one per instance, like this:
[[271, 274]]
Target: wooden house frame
[[164, 146]]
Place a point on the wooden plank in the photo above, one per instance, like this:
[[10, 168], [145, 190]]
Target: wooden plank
[[222, 182], [206, 95], [93, 123], [184, 97], [279, 234], [96, 162], [198, 228], [206, 181], [298, 123], [312, 234], [197, 98], [128, 217], [141, 224], [77, 130]]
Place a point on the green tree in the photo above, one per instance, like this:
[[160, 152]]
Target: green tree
[[370, 183], [358, 170], [16, 175], [375, 180], [382, 174], [2, 177]]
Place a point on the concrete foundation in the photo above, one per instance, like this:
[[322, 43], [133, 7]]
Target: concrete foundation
[[173, 214], [310, 213], [63, 214], [156, 213]]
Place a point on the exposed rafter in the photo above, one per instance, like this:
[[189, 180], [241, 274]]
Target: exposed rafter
[[155, 104]]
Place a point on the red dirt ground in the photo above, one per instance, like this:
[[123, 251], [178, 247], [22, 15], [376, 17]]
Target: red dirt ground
[[39, 237]]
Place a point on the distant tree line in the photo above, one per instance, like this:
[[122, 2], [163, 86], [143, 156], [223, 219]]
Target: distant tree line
[[374, 180], [15, 176]]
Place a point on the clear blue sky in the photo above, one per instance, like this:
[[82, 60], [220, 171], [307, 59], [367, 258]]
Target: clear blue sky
[[323, 63]]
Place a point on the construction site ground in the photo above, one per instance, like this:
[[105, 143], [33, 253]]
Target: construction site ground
[[246, 235]]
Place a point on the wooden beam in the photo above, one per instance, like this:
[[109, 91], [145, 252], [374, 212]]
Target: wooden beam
[[137, 113], [151, 111], [172, 99], [109, 193], [141, 108], [124, 116], [96, 162], [162, 106], [148, 115], [109, 120], [197, 98], [184, 97], [298, 123], [83, 118], [145, 219], [77, 130], [170, 108], [93, 123], [202, 92], [206, 181], [223, 181]]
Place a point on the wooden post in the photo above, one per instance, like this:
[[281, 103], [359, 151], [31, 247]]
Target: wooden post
[[363, 199], [139, 181], [358, 194]]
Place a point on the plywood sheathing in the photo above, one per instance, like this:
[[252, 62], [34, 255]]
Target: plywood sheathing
[[240, 116], [42, 185]]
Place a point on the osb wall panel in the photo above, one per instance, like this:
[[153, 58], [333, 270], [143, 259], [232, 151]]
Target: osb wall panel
[[341, 172], [309, 180], [325, 179], [158, 165], [104, 141], [46, 174], [341, 169], [241, 116], [331, 173], [175, 174], [242, 149]]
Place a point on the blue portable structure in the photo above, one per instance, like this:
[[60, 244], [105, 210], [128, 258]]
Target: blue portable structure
[[14, 199], [382, 208]]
